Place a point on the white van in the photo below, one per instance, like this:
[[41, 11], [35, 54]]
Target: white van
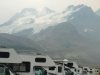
[[34, 65], [8, 56]]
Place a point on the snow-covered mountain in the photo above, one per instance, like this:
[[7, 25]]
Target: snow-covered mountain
[[32, 21], [70, 32], [85, 20], [30, 18], [45, 11], [98, 12], [26, 19]]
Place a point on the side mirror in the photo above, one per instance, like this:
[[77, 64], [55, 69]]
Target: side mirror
[[45, 72]]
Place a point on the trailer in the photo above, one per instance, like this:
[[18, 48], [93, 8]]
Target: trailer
[[34, 65], [7, 57]]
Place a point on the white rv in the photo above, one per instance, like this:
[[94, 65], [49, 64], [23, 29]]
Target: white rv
[[61, 68], [92, 71], [8, 56], [86, 71], [34, 65], [73, 67], [80, 71], [97, 71]]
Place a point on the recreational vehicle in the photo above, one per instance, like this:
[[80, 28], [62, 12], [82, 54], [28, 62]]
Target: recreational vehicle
[[97, 71], [34, 65], [73, 67], [8, 56], [61, 67], [80, 70], [86, 71]]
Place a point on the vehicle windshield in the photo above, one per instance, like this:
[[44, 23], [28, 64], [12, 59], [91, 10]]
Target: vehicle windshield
[[68, 72], [91, 72], [39, 71], [2, 70], [84, 72]]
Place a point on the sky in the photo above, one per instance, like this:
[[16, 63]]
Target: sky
[[9, 7]]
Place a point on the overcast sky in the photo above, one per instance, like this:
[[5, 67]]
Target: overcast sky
[[10, 7]]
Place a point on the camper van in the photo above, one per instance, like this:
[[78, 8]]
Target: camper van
[[8, 56], [34, 65], [61, 67]]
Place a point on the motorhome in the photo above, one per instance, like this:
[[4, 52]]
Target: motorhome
[[92, 71], [73, 67], [8, 56], [34, 65], [80, 70], [86, 71], [97, 71], [61, 67]]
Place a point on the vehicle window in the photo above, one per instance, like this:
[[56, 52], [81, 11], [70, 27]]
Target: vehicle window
[[91, 72], [59, 69], [4, 55], [85, 68], [39, 70], [51, 68], [23, 67], [2, 70], [75, 70], [40, 60], [70, 65], [68, 72], [78, 70]]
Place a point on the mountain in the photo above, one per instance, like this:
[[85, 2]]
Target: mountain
[[83, 17], [98, 12], [63, 40], [85, 20], [73, 33], [26, 19], [18, 43], [45, 11]]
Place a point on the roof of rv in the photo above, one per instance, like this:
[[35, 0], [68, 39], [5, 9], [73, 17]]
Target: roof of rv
[[9, 55], [31, 58]]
